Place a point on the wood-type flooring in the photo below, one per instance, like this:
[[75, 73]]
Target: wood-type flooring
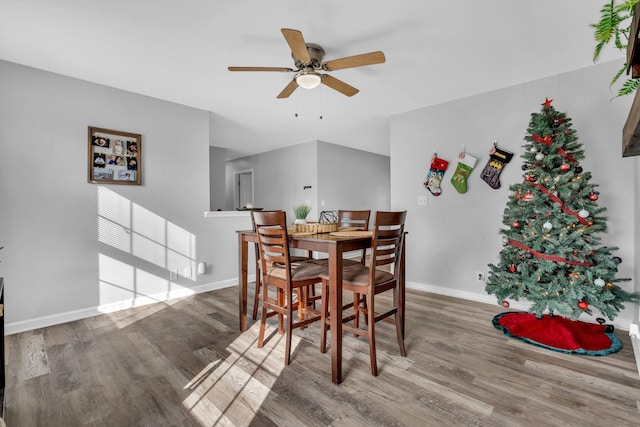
[[184, 363]]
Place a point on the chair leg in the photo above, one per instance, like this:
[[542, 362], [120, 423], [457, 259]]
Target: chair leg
[[280, 302], [263, 318], [356, 312], [372, 335], [256, 297], [324, 317], [403, 351], [312, 295], [288, 331]]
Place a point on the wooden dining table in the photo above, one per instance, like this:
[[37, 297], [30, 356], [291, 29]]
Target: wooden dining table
[[335, 247]]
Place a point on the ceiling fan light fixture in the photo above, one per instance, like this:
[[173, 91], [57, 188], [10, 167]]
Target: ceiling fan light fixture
[[308, 79]]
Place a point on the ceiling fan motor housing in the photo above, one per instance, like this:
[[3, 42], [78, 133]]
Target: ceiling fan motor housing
[[316, 53]]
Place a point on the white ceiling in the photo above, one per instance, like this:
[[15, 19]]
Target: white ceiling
[[179, 51]]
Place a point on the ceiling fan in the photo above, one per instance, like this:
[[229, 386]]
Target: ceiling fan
[[307, 58]]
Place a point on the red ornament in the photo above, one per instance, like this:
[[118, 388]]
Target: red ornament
[[512, 268], [565, 167], [515, 224], [530, 178], [505, 304], [582, 305], [593, 197], [528, 197]]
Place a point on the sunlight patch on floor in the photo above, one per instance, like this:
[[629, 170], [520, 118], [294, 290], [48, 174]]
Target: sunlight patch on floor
[[229, 391]]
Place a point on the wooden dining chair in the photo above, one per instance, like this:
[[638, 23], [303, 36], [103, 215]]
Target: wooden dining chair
[[256, 294], [287, 277], [355, 219], [381, 275]]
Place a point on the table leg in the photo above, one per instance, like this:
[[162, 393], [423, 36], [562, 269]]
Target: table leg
[[335, 309], [243, 260]]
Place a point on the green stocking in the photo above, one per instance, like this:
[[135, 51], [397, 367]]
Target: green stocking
[[465, 166]]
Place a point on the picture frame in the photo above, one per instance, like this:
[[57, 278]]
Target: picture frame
[[115, 157]]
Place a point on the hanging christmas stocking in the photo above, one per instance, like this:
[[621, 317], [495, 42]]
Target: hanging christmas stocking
[[493, 169], [434, 177], [465, 166]]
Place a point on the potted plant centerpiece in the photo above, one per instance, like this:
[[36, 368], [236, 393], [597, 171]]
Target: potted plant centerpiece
[[301, 211]]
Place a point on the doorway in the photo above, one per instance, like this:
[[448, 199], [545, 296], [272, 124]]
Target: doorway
[[243, 188]]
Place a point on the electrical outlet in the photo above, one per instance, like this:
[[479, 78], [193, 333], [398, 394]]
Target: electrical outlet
[[481, 276], [422, 200], [187, 272]]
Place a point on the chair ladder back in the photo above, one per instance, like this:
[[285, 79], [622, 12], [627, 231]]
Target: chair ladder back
[[388, 238], [273, 240], [274, 245], [357, 219]]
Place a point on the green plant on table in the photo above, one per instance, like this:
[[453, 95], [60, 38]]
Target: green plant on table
[[301, 211]]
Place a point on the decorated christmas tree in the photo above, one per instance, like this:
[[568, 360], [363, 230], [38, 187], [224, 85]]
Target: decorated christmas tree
[[551, 252]]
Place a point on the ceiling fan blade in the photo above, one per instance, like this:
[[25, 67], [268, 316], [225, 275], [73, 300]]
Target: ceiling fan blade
[[283, 69], [288, 90], [354, 61], [339, 85], [297, 44]]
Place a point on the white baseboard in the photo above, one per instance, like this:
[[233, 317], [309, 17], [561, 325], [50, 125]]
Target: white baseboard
[[70, 316]]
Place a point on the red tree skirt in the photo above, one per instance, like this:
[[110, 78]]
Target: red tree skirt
[[559, 334]]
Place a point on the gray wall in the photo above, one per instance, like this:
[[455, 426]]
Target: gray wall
[[279, 177], [456, 235], [74, 249], [340, 178], [352, 179]]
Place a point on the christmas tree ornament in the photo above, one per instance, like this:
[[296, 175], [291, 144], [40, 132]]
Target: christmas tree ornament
[[539, 156], [617, 259], [464, 168], [516, 224], [524, 167], [497, 159], [436, 172], [505, 304], [554, 259]]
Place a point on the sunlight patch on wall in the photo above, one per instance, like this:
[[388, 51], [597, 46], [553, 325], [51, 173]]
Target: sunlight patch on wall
[[149, 242], [136, 230], [124, 286]]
